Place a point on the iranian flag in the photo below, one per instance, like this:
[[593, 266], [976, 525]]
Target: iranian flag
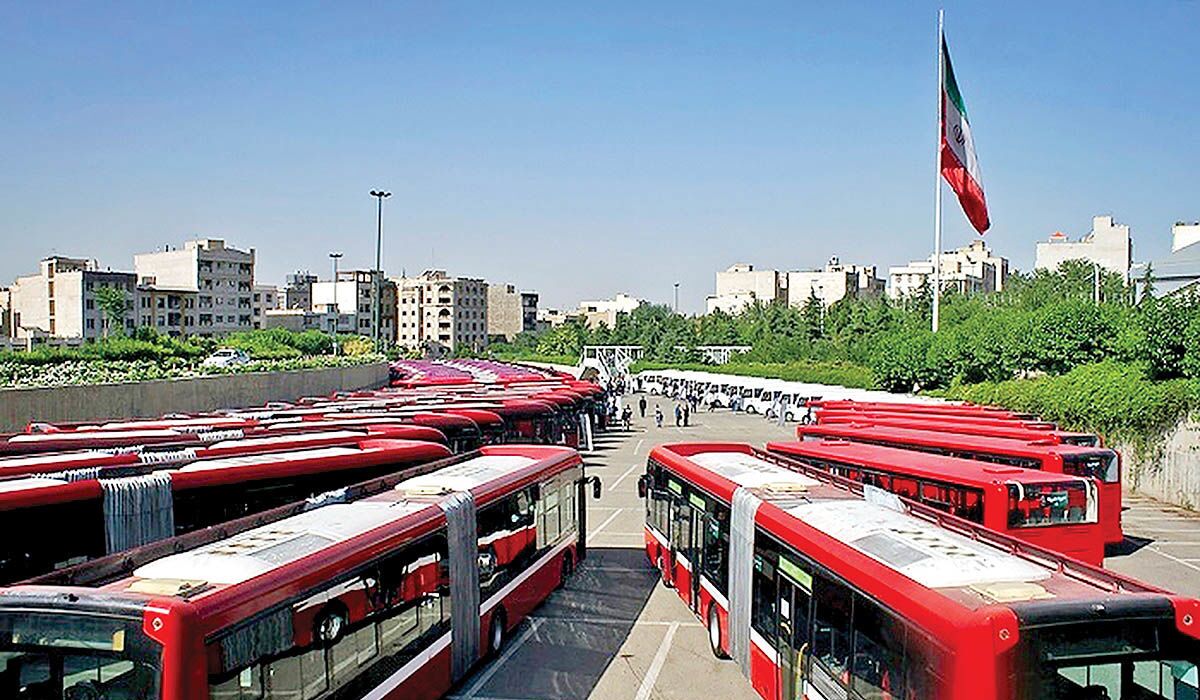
[[960, 167]]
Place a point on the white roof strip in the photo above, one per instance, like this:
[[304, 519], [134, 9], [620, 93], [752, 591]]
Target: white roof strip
[[265, 548], [33, 482], [467, 475], [930, 555], [749, 471], [289, 439]]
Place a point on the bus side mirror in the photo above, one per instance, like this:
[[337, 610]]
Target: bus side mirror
[[642, 486], [595, 487]]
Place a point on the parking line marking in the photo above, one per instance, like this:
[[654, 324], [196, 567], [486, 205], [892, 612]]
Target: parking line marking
[[613, 485], [660, 658], [596, 530], [491, 670]]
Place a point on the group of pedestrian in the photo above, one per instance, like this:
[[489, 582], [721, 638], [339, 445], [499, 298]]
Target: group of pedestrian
[[683, 411]]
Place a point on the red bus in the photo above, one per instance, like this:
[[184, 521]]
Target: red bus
[[821, 588], [1101, 464], [68, 518], [959, 409], [171, 438], [395, 592], [993, 427], [1054, 511]]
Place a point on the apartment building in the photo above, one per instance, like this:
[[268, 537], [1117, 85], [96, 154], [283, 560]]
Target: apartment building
[[605, 311], [1108, 245], [510, 312], [834, 282], [741, 286], [298, 291], [438, 310], [352, 295], [60, 300], [971, 269], [222, 277], [169, 311], [262, 298]]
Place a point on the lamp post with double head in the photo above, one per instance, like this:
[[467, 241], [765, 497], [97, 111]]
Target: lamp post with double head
[[337, 314], [377, 281]]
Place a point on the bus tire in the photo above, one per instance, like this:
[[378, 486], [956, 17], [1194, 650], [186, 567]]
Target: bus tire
[[714, 632], [330, 624], [750, 410], [496, 632], [568, 568]]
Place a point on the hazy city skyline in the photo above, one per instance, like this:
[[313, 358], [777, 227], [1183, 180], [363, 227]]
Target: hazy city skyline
[[581, 152]]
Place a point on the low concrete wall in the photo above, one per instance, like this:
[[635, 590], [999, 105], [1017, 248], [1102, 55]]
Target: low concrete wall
[[1172, 474], [152, 399]]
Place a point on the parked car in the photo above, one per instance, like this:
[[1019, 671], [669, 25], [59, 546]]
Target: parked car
[[226, 357]]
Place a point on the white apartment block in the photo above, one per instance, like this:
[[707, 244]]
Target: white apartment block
[[741, 286], [353, 298], [510, 312], [606, 311], [438, 310], [262, 298], [971, 269], [60, 300], [222, 277], [832, 284], [1109, 245]]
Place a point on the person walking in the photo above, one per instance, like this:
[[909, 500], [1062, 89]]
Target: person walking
[[642, 406], [658, 416], [687, 412], [627, 417], [678, 416]]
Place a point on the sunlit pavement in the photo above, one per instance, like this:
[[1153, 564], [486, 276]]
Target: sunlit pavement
[[615, 632]]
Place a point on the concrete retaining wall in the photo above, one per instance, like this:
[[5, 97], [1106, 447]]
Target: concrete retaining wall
[[1173, 473], [152, 399]]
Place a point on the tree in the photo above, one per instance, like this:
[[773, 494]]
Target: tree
[[114, 305], [1148, 284], [814, 315]]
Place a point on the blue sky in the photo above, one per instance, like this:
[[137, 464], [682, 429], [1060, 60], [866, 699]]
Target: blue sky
[[583, 149]]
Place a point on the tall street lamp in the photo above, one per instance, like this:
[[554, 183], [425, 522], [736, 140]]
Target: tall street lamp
[[337, 313], [376, 285], [676, 297]]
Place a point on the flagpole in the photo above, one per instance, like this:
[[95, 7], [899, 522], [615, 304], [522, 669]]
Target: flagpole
[[937, 182]]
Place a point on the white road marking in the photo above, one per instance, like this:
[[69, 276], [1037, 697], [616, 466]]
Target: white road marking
[[596, 530], [492, 668], [660, 657], [613, 485], [1173, 558], [638, 448]]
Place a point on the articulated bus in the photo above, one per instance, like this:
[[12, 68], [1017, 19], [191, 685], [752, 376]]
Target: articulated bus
[[1054, 511], [820, 587], [172, 438], [950, 409], [1101, 464], [73, 516], [396, 590], [993, 427]]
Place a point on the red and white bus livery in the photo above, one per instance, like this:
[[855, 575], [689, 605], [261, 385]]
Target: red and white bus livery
[[821, 588], [1054, 511], [390, 594]]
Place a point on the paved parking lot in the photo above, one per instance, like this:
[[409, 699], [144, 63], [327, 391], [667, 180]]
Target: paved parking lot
[[614, 632]]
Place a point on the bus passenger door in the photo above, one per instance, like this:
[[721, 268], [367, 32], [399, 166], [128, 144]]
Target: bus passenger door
[[792, 641], [683, 562]]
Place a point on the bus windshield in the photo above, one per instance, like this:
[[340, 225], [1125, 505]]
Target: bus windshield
[[57, 656], [1112, 660], [1039, 505], [1101, 466]]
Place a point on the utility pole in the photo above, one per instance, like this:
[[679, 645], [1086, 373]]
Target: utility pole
[[337, 312], [676, 297], [377, 277]]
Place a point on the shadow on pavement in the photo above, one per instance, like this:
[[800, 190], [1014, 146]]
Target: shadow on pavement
[[578, 631], [1127, 546]]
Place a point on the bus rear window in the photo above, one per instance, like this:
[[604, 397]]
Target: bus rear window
[[1114, 660], [1040, 505], [58, 656], [1101, 466]]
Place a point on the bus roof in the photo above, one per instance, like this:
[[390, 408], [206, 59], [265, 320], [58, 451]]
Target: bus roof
[[901, 553], [967, 472]]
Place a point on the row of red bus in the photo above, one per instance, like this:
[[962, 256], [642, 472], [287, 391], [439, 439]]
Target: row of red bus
[[330, 547]]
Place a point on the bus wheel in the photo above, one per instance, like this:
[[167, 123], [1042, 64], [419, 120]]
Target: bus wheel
[[496, 632], [330, 625], [714, 633], [568, 568]]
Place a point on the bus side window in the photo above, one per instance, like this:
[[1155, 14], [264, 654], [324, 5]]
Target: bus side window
[[762, 613], [716, 546], [831, 626], [904, 486], [878, 666]]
